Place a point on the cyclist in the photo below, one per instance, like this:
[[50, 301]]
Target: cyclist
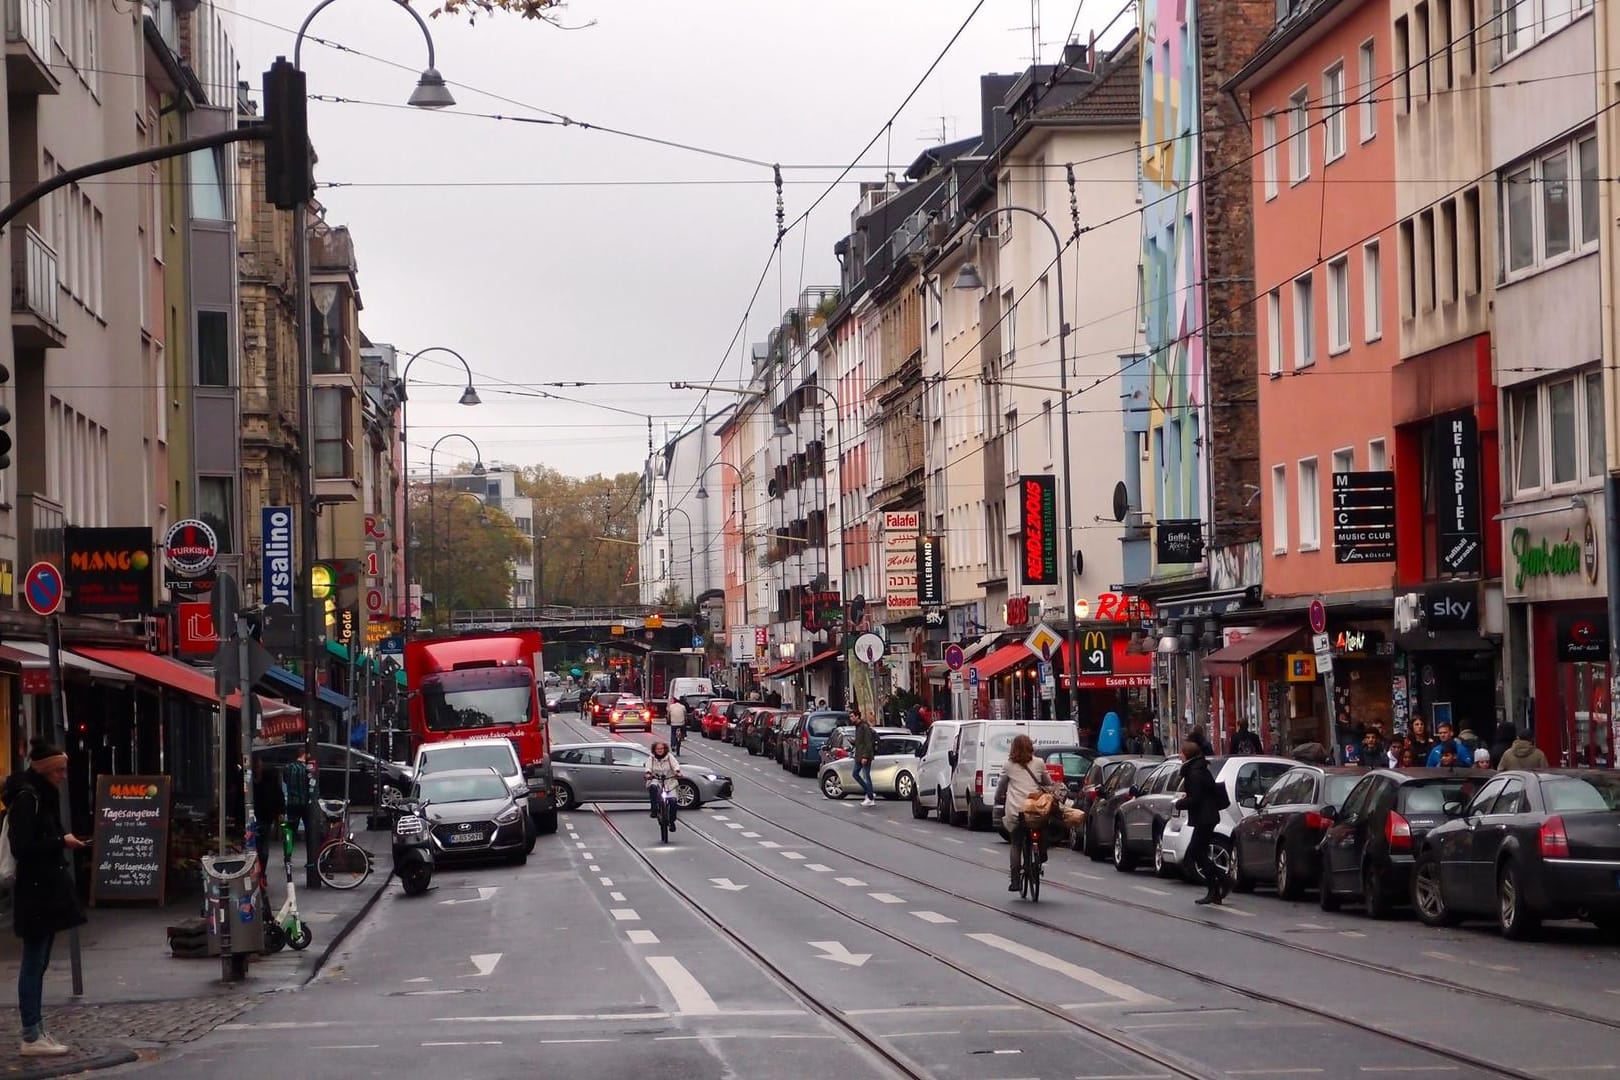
[[663, 771], [677, 724], [1020, 779]]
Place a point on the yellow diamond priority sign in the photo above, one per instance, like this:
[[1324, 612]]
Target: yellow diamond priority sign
[[1043, 641]]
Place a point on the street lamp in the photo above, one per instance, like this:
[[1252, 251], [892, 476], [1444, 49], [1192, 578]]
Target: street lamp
[[968, 278], [433, 556], [430, 93], [469, 396], [483, 519], [691, 574]]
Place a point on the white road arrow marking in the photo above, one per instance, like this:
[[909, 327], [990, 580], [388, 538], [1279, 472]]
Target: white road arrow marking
[[839, 952], [484, 893], [725, 884], [485, 963]]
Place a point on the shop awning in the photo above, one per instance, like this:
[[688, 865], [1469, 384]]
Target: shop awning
[[39, 654], [158, 669], [1002, 660], [337, 650], [1228, 662], [295, 684], [1126, 670]]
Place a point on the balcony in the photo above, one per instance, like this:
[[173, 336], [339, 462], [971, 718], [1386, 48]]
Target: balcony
[[28, 48], [34, 292]]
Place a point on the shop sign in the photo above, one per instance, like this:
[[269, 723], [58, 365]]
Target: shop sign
[[36, 681], [1120, 608], [930, 571], [108, 571], [1449, 607], [1301, 667], [1364, 517], [1037, 500], [1583, 638], [190, 548], [822, 610], [1456, 470], [276, 554], [1096, 653], [1017, 611], [1179, 540], [1572, 556], [1356, 643], [8, 577], [900, 528], [1125, 670]]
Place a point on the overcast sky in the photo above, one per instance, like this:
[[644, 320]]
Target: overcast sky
[[548, 254]]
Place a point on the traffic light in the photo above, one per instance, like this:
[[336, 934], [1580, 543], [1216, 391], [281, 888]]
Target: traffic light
[[289, 174], [323, 589], [5, 419]]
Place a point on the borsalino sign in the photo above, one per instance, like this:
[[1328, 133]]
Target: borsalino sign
[[1556, 562]]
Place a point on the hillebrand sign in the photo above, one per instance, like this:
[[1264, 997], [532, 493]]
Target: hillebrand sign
[[276, 525], [1037, 498], [930, 571]]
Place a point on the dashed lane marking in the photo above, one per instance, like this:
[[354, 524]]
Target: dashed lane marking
[[795, 855], [580, 844], [735, 825], [1086, 976], [607, 882], [349, 1046], [769, 844], [1407, 1068], [854, 883], [954, 840], [556, 1042], [587, 856], [750, 836], [625, 914], [642, 937], [885, 898], [617, 897], [820, 868], [486, 1042], [1150, 890], [933, 917], [690, 997], [1085, 876], [595, 869], [1230, 910]]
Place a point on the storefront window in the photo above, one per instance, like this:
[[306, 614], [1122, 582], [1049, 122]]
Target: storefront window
[[1586, 735]]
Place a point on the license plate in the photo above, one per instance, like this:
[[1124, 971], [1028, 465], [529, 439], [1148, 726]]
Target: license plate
[[467, 838]]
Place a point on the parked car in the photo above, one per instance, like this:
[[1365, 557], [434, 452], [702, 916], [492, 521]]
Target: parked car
[[1121, 779], [473, 814], [787, 736], [934, 769], [601, 705], [980, 751], [894, 769], [1066, 765], [612, 772], [771, 734], [1246, 778], [1368, 851], [533, 784], [369, 772], [1529, 846], [736, 712], [804, 752], [713, 722], [1091, 785], [630, 712], [754, 730], [1140, 820], [1279, 843]]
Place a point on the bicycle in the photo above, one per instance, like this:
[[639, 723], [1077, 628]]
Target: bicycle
[[666, 812], [1029, 886], [341, 863]]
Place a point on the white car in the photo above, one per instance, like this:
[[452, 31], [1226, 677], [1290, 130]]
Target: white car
[[1246, 780], [934, 769]]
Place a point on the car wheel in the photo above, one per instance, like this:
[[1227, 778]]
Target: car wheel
[[1239, 881], [831, 786], [546, 823], [1094, 848], [687, 796], [518, 859], [919, 812], [416, 881], [1160, 867], [978, 816], [1517, 921], [1123, 862], [1374, 895], [564, 796], [531, 834], [1428, 899], [1288, 884], [905, 787], [1325, 898]]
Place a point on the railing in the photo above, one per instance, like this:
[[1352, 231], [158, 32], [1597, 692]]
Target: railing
[[34, 279], [30, 21]]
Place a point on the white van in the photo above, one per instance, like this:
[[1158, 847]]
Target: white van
[[682, 688], [980, 752], [934, 771]]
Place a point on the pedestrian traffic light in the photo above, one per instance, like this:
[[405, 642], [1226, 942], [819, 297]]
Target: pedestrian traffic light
[[5, 419], [289, 175]]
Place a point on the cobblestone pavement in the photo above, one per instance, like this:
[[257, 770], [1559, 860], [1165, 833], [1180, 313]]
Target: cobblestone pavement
[[106, 1035]]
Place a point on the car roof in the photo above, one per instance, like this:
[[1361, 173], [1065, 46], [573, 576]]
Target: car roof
[[485, 771], [1221, 761], [604, 742], [453, 744]]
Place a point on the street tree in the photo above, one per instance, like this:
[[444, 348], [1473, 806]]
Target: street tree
[[467, 551], [542, 10], [585, 529]]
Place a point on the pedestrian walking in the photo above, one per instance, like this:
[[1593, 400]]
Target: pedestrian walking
[[1201, 737], [1203, 800], [1244, 741], [677, 725], [269, 806], [1150, 741], [865, 751], [1522, 755], [43, 902]]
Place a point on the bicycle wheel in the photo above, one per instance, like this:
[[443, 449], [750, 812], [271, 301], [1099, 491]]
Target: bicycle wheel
[[1023, 873], [1033, 874], [343, 864], [663, 820]]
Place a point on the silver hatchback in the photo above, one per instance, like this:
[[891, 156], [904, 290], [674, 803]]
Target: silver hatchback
[[612, 772], [894, 769]]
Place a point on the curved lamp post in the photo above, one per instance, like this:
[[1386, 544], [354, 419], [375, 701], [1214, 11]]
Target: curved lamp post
[[691, 576], [433, 554], [430, 93], [483, 519], [469, 396]]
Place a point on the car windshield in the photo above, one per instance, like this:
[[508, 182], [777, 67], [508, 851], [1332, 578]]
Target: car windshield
[[458, 700], [1074, 766], [826, 723], [1339, 788], [1595, 792], [453, 789], [495, 756], [1431, 798]]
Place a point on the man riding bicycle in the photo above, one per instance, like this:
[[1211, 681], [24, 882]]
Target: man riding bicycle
[[677, 724], [663, 775], [1021, 778]]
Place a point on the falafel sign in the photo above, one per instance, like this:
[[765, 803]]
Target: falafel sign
[[131, 838], [108, 571]]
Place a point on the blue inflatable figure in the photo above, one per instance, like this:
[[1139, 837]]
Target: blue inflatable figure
[[1110, 738]]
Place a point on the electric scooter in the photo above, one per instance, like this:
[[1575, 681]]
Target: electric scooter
[[286, 928]]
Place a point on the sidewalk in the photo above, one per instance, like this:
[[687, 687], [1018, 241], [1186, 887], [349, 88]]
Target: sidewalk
[[139, 997]]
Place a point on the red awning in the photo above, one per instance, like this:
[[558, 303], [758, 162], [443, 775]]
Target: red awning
[[1228, 662], [1128, 670], [1003, 660], [158, 669], [793, 667], [19, 660]]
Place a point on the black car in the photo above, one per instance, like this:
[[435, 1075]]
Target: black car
[[753, 731], [560, 699], [1367, 852], [787, 734], [1124, 782], [1529, 846], [1091, 786], [1278, 844], [472, 814], [1139, 821], [736, 713], [601, 705], [368, 771], [771, 734]]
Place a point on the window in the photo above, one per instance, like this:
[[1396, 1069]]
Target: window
[[1524, 410], [1344, 460], [214, 507], [1561, 413], [208, 198], [1044, 296], [1446, 252], [1304, 323], [1469, 35], [1474, 260], [1038, 185], [1442, 43], [1594, 424], [1274, 344], [326, 318], [213, 348], [1426, 259], [1333, 112], [1421, 48], [331, 435], [1046, 425], [1372, 292], [1279, 509], [1299, 134], [1403, 61], [1366, 69], [1377, 456], [1408, 277], [96, 301], [1268, 154], [1546, 212], [1310, 508], [1005, 226], [1338, 304]]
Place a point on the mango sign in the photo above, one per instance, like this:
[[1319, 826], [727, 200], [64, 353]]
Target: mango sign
[[108, 571]]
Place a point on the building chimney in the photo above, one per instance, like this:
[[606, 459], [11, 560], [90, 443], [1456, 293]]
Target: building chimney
[[1076, 55]]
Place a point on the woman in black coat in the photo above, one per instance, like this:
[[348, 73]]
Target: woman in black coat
[[1201, 798], [43, 901]]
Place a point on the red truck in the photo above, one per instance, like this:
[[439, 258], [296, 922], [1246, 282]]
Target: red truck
[[484, 685]]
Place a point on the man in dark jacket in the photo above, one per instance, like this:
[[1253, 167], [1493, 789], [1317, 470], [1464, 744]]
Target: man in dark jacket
[[43, 901], [865, 751], [269, 807], [1201, 799], [1244, 741]]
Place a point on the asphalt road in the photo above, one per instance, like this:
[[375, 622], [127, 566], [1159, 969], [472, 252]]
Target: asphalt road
[[786, 935]]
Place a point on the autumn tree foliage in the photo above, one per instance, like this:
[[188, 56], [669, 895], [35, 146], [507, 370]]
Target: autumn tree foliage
[[464, 553], [543, 10], [586, 554]]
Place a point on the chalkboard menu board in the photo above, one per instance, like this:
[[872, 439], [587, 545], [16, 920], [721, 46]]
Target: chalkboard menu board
[[131, 848]]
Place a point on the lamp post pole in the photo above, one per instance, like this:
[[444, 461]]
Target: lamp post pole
[[430, 93], [469, 396], [691, 573], [433, 524], [483, 519]]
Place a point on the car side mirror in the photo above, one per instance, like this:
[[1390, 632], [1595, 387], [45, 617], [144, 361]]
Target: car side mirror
[[1250, 802], [920, 751], [1330, 812], [1453, 809]]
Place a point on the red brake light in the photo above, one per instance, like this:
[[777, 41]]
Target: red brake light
[[1554, 839], [1316, 822], [978, 782], [1398, 831], [804, 739], [1055, 771]]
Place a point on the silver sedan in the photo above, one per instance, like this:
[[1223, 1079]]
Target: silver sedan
[[894, 770], [612, 772]]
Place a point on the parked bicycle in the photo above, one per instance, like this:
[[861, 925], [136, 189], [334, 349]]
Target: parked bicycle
[[341, 863]]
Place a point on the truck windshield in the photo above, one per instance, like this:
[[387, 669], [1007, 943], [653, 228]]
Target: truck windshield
[[481, 698]]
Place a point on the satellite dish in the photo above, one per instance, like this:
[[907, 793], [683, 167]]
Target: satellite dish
[[1122, 501]]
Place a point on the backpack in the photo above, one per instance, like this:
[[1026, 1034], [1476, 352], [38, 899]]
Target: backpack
[[1222, 799], [8, 861]]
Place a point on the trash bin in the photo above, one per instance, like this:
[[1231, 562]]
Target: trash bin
[[235, 923]]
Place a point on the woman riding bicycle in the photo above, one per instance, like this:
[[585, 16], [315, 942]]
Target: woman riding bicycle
[[1020, 778], [663, 774]]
